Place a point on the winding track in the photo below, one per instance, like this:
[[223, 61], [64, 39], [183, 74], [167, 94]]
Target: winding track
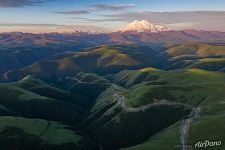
[[120, 99], [186, 123], [185, 126], [117, 96]]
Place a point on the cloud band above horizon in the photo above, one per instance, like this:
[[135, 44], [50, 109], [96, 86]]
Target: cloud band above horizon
[[110, 15]]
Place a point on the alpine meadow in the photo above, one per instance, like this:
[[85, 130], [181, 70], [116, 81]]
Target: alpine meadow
[[112, 75]]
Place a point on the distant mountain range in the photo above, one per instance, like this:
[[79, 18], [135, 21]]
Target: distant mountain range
[[141, 89], [126, 37], [22, 49]]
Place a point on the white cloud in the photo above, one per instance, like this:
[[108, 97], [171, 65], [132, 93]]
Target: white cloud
[[202, 20]]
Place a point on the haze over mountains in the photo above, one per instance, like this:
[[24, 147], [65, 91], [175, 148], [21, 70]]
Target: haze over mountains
[[145, 87], [132, 35], [112, 75]]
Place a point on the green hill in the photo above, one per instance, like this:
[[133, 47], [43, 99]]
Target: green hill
[[196, 55], [100, 59], [152, 96], [33, 98], [166, 139], [198, 88], [214, 64], [114, 97], [109, 124], [114, 58], [196, 48], [25, 103], [152, 76], [37, 134], [39, 87], [206, 128], [194, 87]]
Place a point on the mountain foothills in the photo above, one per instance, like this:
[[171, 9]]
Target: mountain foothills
[[141, 88]]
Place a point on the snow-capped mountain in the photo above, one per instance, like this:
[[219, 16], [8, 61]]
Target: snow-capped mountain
[[143, 26]]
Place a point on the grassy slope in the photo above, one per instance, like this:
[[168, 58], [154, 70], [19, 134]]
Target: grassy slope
[[152, 76], [91, 78], [110, 125], [195, 87], [81, 89], [37, 134], [208, 127], [25, 103], [196, 48], [166, 139], [32, 98], [102, 59], [191, 86], [39, 87], [196, 55], [48, 131], [127, 78], [111, 59], [214, 64], [110, 56]]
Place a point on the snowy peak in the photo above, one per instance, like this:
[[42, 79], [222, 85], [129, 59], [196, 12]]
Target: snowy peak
[[144, 26]]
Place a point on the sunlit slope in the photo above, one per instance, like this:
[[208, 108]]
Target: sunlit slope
[[114, 58], [152, 76], [196, 55], [214, 64], [196, 48], [152, 98], [194, 87], [100, 60]]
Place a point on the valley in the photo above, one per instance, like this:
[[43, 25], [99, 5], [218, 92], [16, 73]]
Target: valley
[[109, 91]]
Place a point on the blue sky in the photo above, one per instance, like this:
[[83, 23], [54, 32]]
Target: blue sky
[[43, 14]]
